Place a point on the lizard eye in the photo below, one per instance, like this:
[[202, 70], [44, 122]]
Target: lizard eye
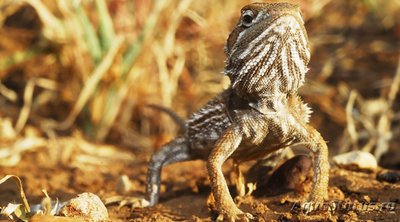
[[247, 18]]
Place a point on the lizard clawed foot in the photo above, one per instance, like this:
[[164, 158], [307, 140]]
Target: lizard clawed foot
[[317, 198], [134, 202], [236, 215]]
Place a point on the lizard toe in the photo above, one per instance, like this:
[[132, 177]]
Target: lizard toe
[[235, 216]]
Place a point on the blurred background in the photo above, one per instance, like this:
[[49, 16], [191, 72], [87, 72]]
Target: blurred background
[[89, 69]]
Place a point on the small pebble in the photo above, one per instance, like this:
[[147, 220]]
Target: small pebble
[[356, 160], [289, 176], [389, 176], [87, 206]]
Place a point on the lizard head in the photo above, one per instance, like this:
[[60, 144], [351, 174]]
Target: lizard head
[[267, 50]]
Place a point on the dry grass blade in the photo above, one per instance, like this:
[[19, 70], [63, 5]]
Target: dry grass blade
[[112, 109], [20, 188], [150, 26], [28, 97], [24, 114], [369, 121], [351, 126], [8, 93], [119, 90], [98, 155], [48, 207], [11, 155], [92, 82], [46, 84], [107, 33], [385, 120], [53, 28], [91, 40], [394, 88], [169, 40]]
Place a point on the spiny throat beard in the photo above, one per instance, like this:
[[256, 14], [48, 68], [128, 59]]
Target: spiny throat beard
[[271, 63]]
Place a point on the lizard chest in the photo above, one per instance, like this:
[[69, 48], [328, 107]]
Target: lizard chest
[[262, 135]]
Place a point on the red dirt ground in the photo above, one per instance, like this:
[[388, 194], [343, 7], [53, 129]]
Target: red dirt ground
[[185, 192]]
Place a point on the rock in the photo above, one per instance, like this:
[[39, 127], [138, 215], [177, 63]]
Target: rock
[[289, 176], [356, 160], [389, 176], [87, 206]]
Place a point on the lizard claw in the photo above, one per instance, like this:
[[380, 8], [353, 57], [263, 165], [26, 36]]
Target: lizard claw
[[246, 217], [232, 217], [134, 202]]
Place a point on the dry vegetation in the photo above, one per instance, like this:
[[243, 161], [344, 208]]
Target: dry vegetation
[[86, 70]]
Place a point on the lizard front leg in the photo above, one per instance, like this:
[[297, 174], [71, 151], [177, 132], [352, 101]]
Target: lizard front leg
[[316, 144], [225, 146]]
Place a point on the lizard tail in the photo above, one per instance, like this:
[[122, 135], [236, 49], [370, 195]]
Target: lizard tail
[[174, 151], [177, 119]]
